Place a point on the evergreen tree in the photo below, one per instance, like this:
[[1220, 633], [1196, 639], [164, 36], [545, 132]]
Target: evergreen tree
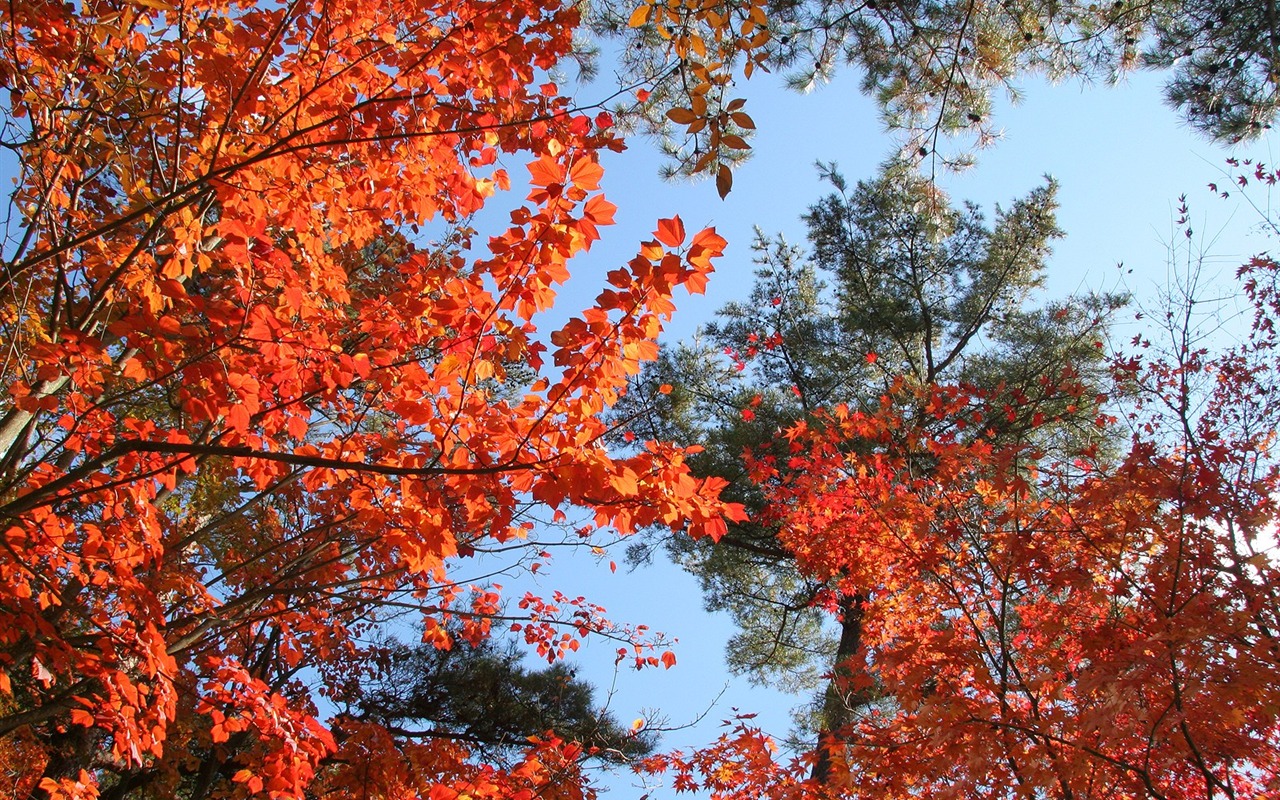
[[1225, 56], [485, 696], [937, 62], [936, 66], [919, 295]]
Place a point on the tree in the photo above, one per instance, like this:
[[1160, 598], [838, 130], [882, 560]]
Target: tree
[[1047, 622], [1225, 58], [935, 67], [487, 697], [262, 389], [1128, 648], [1105, 628], [928, 319]]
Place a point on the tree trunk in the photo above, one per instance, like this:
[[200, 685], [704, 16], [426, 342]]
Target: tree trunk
[[841, 699]]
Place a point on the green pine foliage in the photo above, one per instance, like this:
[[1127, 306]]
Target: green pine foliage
[[486, 696], [937, 67], [896, 286]]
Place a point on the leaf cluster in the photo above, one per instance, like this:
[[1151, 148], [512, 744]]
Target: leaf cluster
[[264, 392]]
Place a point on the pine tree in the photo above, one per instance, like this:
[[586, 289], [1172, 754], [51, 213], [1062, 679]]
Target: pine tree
[[483, 695], [920, 295], [936, 67], [1225, 57]]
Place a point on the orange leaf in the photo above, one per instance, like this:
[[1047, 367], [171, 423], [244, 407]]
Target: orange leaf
[[599, 210], [670, 232], [640, 16], [625, 483], [696, 283], [682, 116], [709, 239], [545, 172], [586, 174], [237, 418]]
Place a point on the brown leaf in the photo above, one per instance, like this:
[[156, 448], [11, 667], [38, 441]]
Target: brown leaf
[[681, 116], [724, 181]]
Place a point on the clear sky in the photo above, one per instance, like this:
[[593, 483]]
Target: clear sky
[[1122, 159]]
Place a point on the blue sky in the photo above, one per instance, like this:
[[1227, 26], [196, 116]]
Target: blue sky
[[1122, 159]]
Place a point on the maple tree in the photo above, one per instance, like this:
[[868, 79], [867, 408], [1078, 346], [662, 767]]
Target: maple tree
[[1037, 620], [262, 388]]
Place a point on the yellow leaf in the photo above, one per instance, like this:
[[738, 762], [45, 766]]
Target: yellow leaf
[[639, 17]]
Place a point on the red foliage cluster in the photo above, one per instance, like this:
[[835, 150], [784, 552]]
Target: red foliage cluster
[[261, 384], [1087, 626]]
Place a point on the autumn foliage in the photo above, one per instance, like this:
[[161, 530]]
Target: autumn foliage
[[264, 384], [265, 388], [1040, 626]]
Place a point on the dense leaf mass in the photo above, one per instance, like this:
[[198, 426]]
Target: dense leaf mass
[[262, 387]]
